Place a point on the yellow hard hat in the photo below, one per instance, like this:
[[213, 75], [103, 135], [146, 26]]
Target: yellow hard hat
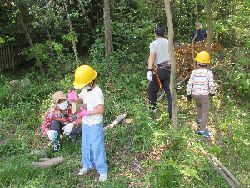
[[203, 57], [83, 76]]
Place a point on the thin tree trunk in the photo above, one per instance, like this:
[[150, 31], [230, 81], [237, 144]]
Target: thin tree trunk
[[173, 65], [107, 28], [209, 26], [112, 4], [193, 39], [25, 30], [71, 30]]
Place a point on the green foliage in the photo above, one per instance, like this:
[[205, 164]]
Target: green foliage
[[52, 55], [71, 37], [231, 23], [2, 40], [233, 71], [131, 148], [130, 42]]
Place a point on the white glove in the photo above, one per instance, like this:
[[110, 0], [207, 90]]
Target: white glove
[[149, 75], [67, 128], [51, 134]]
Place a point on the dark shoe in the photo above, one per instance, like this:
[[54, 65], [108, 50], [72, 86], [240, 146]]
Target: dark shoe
[[153, 114], [206, 134]]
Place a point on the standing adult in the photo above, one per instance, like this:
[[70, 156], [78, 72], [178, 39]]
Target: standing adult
[[159, 70], [201, 33]]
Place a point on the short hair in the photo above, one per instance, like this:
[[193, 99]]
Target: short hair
[[198, 24], [159, 31]]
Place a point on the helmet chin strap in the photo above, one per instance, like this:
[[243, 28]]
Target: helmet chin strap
[[91, 85]]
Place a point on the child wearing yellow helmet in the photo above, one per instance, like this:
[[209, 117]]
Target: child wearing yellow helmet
[[93, 150], [200, 86]]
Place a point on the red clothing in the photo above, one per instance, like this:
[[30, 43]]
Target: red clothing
[[55, 114]]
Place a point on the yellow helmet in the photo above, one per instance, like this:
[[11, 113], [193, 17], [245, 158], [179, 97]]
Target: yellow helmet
[[203, 57], [83, 76]]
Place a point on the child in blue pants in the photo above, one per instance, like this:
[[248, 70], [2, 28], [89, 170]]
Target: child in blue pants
[[93, 149]]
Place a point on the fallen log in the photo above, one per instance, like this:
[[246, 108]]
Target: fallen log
[[118, 120], [227, 172], [47, 162], [222, 170]]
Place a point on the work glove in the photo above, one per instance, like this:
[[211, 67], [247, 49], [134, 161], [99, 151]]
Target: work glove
[[72, 96], [189, 97], [67, 128], [51, 134], [150, 75], [83, 112]]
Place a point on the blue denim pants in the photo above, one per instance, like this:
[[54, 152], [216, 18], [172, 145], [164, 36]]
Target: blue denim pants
[[93, 150]]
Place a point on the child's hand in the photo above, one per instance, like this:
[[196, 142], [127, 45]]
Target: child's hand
[[72, 96], [83, 112]]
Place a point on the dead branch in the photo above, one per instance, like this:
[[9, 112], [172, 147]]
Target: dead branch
[[47, 162], [118, 120], [222, 170]]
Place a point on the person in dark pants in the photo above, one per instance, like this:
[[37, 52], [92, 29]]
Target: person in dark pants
[[201, 33], [60, 119], [58, 127], [159, 60]]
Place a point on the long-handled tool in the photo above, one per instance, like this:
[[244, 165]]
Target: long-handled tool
[[157, 77]]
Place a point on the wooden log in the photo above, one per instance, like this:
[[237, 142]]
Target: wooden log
[[44, 159], [48, 162], [221, 172], [230, 133], [118, 120], [221, 169], [227, 172]]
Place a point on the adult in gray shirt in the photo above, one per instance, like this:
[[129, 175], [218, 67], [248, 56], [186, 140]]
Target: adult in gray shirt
[[159, 64]]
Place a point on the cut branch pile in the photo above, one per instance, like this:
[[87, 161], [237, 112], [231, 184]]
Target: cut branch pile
[[184, 60]]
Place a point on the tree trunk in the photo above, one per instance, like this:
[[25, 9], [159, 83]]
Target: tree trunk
[[193, 39], [107, 28], [209, 26], [112, 4], [25, 30], [71, 30], [173, 65]]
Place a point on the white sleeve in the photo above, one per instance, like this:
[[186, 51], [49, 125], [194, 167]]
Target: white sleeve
[[152, 47], [99, 97]]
